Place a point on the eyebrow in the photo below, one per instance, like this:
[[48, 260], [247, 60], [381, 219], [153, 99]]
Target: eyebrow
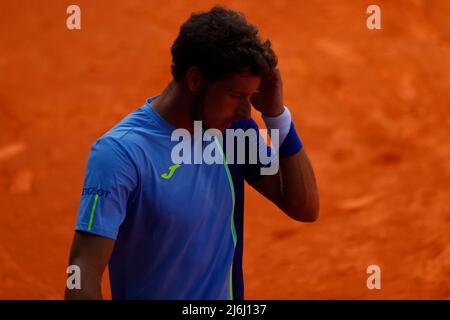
[[242, 92]]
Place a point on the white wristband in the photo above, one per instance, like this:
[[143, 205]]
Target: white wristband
[[281, 122]]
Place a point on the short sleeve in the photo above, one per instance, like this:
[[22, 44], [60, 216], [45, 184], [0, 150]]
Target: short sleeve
[[110, 180]]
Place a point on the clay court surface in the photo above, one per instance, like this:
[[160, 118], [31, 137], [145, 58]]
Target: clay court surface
[[372, 108]]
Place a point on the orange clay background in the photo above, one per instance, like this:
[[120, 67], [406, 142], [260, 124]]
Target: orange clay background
[[372, 108]]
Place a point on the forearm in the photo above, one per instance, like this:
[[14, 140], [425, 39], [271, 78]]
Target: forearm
[[299, 195]]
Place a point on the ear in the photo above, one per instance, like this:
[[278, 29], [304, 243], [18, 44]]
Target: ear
[[194, 79]]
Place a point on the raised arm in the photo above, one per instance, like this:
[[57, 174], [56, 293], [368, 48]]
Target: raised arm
[[293, 189]]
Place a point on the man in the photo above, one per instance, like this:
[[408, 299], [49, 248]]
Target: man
[[175, 231]]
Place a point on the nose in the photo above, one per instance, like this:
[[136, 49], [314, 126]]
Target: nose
[[244, 110]]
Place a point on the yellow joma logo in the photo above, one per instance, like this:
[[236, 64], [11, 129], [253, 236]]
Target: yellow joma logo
[[172, 169]]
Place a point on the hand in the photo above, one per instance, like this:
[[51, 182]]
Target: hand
[[269, 98]]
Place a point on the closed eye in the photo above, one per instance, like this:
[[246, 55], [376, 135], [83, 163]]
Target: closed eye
[[242, 95]]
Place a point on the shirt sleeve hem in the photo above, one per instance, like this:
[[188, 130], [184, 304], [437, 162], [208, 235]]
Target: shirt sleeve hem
[[108, 233]]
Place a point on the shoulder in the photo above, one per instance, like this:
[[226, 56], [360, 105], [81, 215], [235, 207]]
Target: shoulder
[[129, 134], [116, 147]]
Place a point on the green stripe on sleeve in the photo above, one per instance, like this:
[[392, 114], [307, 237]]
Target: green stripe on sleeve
[[93, 212]]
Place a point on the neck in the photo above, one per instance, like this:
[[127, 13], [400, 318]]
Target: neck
[[174, 104]]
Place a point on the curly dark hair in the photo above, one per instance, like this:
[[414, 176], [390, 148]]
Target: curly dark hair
[[220, 42]]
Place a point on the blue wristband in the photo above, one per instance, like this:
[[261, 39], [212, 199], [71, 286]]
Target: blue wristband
[[291, 144]]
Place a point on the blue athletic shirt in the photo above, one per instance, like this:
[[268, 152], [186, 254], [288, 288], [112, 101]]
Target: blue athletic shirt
[[178, 230]]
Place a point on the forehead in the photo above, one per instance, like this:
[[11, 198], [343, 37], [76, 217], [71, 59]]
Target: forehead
[[246, 82]]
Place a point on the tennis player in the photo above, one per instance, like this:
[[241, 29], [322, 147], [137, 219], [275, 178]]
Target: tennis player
[[175, 231]]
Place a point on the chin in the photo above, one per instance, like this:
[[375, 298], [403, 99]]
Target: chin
[[224, 125]]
